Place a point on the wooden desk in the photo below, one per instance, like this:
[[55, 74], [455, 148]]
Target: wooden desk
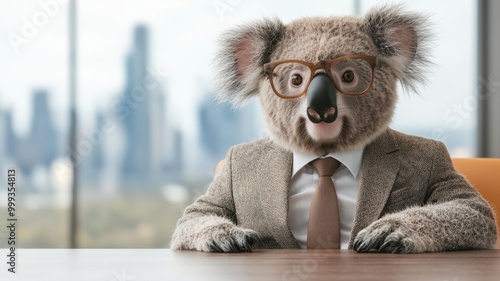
[[161, 264]]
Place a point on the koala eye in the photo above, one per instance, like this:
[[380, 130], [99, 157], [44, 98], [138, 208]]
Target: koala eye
[[296, 79], [348, 76]]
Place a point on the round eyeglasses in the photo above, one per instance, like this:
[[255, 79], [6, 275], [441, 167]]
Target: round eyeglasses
[[351, 75]]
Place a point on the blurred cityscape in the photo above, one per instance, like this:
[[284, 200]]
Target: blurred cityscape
[[153, 149], [135, 175], [132, 154]]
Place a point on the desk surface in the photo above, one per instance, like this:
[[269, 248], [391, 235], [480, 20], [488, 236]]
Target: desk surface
[[161, 264]]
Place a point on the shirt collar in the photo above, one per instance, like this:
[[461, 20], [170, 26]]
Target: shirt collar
[[351, 159]]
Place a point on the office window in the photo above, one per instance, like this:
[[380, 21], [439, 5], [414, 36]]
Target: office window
[[446, 108], [149, 132]]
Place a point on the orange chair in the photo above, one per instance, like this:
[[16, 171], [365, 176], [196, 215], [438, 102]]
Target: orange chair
[[484, 175], [219, 166]]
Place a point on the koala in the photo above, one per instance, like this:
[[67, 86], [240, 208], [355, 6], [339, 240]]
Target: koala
[[328, 85]]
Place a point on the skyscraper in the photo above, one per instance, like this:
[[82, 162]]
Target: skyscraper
[[40, 147], [144, 119], [93, 166], [223, 126], [43, 131], [11, 140]]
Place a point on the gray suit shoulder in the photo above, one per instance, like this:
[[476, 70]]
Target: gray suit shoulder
[[256, 158], [411, 142], [256, 148]]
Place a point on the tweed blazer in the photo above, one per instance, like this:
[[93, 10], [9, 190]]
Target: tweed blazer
[[397, 171]]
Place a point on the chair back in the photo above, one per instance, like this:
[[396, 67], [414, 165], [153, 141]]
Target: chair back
[[484, 175]]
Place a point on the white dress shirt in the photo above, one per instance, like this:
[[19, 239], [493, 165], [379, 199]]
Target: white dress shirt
[[303, 185]]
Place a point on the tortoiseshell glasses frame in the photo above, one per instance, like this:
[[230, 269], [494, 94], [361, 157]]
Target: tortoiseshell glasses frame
[[269, 69]]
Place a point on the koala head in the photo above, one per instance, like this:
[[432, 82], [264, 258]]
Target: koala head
[[325, 84]]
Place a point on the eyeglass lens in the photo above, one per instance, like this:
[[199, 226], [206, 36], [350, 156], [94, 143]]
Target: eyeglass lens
[[351, 76]]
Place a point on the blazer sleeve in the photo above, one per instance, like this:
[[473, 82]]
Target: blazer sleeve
[[213, 209], [447, 184], [455, 213]]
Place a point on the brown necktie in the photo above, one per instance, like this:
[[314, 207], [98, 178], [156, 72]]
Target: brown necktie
[[324, 222]]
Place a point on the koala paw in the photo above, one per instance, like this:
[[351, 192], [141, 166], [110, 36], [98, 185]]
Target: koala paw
[[229, 239], [387, 236]]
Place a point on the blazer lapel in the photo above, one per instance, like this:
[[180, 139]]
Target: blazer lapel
[[274, 197], [378, 173]]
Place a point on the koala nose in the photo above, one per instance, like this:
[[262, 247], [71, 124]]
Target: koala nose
[[322, 100]]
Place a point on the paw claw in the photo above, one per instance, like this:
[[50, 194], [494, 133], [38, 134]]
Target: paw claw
[[383, 237], [213, 247], [252, 238], [232, 240], [389, 246]]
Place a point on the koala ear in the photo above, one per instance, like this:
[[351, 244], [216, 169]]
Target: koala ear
[[403, 39], [242, 54]]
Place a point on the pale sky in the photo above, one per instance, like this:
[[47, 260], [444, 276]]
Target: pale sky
[[183, 33]]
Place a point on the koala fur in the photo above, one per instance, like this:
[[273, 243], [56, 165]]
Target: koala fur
[[401, 41], [313, 39]]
